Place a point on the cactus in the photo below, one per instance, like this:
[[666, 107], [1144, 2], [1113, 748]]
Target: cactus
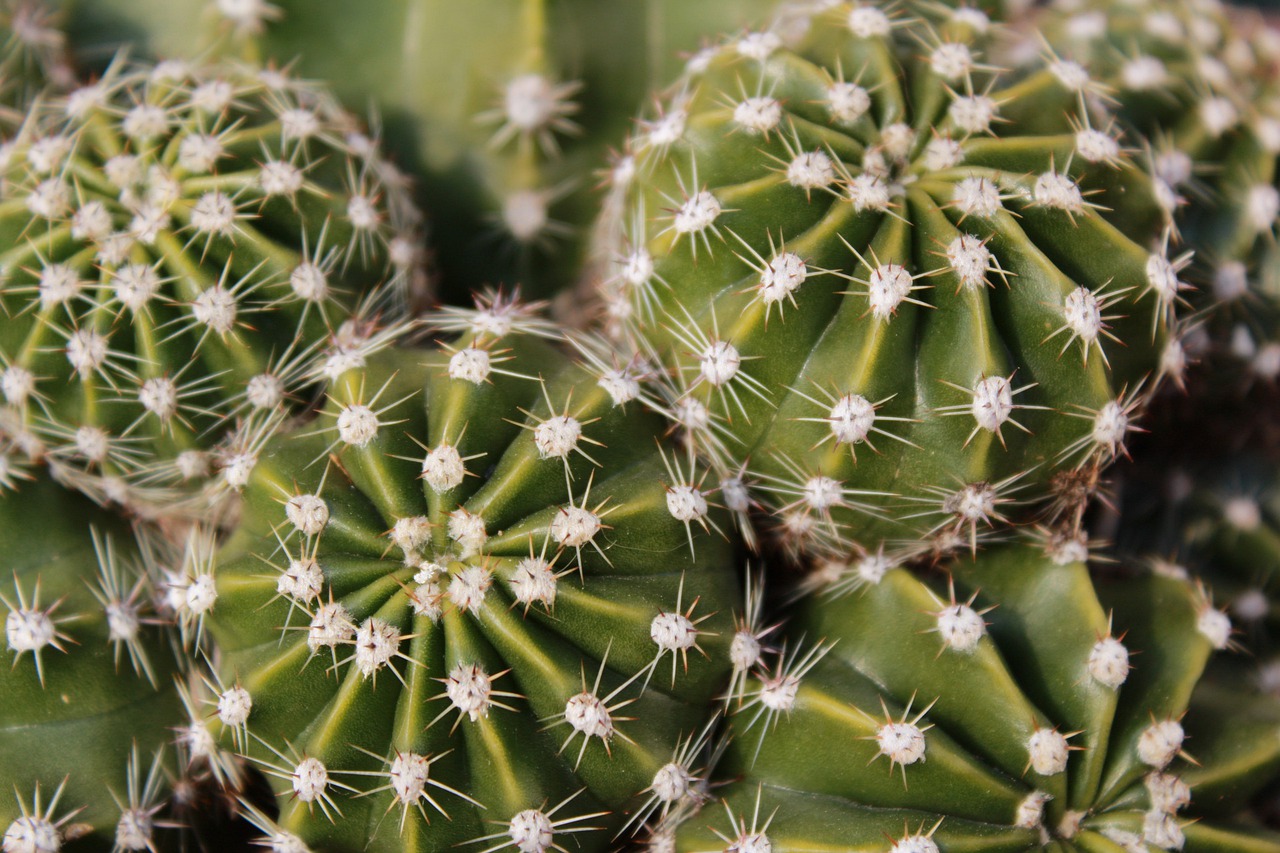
[[33, 56], [1203, 502], [1017, 705], [1198, 80], [475, 604], [504, 107], [1232, 529], [86, 673], [189, 251], [899, 312]]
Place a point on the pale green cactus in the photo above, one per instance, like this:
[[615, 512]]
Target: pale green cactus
[[191, 251]]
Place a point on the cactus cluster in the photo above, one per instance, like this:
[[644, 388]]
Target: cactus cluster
[[190, 251], [886, 479], [1198, 81]]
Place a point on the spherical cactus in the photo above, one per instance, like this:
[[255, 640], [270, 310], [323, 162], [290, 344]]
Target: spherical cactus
[[87, 673], [189, 248], [894, 293], [504, 107], [1017, 706], [474, 604], [1199, 81]]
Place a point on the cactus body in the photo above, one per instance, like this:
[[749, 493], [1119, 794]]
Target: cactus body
[[1024, 708], [188, 250], [87, 678], [1198, 80], [503, 106], [898, 291], [33, 57], [477, 573]]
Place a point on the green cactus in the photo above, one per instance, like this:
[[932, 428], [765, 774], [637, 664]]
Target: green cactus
[[188, 252], [1217, 522], [474, 605], [1198, 81], [899, 312], [504, 107], [1232, 528], [86, 673], [1017, 705], [33, 56], [1205, 502]]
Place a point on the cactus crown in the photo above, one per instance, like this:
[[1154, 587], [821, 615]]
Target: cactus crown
[[498, 602]]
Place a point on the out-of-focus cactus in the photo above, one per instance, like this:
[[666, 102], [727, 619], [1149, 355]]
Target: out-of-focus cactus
[[1199, 81], [894, 294], [33, 58], [189, 252], [86, 675], [475, 604]]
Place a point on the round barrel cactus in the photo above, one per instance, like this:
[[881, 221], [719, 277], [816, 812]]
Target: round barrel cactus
[[896, 292], [1017, 705], [1198, 80], [86, 671], [189, 252], [474, 604]]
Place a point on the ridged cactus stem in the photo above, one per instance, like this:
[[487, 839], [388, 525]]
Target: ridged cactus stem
[[472, 589]]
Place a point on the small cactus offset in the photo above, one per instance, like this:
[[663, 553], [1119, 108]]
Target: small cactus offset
[[189, 250], [1019, 705], [87, 678], [895, 291], [473, 604]]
